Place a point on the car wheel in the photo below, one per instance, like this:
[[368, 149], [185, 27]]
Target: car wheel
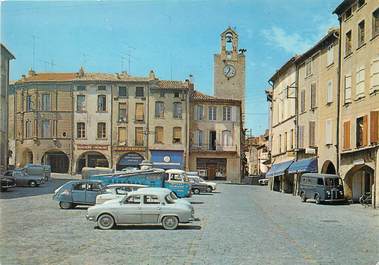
[[303, 198], [170, 222], [65, 205], [209, 189], [317, 199], [105, 221], [196, 191], [32, 183]]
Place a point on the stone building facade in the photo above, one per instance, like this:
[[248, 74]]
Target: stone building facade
[[6, 56], [215, 137], [359, 97], [257, 154]]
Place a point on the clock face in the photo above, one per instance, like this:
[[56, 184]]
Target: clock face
[[229, 71]]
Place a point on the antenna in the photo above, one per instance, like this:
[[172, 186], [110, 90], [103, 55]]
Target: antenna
[[34, 37]]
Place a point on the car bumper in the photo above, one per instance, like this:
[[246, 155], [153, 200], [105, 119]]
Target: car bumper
[[8, 186], [335, 200], [91, 218]]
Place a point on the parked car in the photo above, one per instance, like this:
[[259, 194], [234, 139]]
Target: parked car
[[198, 187], [321, 188], [23, 179], [141, 207], [7, 183], [171, 193], [117, 191], [78, 192], [37, 170], [211, 185], [263, 182]]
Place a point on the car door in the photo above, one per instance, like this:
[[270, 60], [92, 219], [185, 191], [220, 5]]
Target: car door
[[79, 192], [129, 211], [92, 190], [151, 209]]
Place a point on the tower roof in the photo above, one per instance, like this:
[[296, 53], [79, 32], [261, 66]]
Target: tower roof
[[229, 29]]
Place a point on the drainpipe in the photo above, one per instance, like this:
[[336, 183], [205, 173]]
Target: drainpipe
[[297, 111], [338, 99], [147, 132], [111, 136], [72, 129]]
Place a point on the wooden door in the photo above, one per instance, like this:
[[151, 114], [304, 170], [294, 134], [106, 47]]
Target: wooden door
[[211, 171]]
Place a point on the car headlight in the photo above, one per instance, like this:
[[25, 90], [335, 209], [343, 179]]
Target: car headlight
[[341, 192], [328, 192]]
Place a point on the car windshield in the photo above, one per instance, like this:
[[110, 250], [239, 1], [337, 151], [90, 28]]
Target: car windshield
[[201, 180], [332, 182], [169, 199], [173, 196]]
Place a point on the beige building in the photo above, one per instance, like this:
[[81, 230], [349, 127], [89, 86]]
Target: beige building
[[283, 126], [41, 116], [257, 154], [317, 108], [6, 56], [359, 97], [215, 137]]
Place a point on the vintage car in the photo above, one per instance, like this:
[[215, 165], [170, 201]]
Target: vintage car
[[144, 206], [24, 179], [38, 170], [211, 186], [198, 187], [78, 192], [263, 182], [7, 182], [117, 191]]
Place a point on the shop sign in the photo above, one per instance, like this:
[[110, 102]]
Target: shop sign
[[129, 149], [91, 147]]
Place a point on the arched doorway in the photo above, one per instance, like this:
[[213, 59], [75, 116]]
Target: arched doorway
[[132, 160], [27, 158], [91, 159], [58, 161], [359, 180], [328, 168]]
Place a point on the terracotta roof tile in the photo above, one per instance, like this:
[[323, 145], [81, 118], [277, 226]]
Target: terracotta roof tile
[[44, 77], [173, 84], [198, 96]]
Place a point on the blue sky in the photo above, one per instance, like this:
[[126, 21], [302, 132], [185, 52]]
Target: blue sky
[[174, 38]]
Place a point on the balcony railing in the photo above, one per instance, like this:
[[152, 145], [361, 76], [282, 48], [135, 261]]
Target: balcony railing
[[219, 148]]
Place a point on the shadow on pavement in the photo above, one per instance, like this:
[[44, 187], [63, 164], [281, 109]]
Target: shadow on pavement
[[46, 188], [197, 202], [154, 227]]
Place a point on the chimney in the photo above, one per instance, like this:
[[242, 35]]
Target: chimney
[[31, 72], [151, 74]]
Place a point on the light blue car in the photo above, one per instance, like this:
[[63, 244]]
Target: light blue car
[[78, 192]]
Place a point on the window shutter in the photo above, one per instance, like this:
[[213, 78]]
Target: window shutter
[[234, 113], [360, 82], [346, 129], [374, 127], [330, 91], [122, 135], [347, 88], [365, 131], [313, 95], [312, 126], [139, 112], [375, 75], [302, 100]]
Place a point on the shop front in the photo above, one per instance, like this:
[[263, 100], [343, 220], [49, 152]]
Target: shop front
[[212, 168], [129, 160], [277, 176], [167, 159]]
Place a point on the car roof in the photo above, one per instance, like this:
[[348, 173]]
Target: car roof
[[175, 171], [125, 185], [150, 191]]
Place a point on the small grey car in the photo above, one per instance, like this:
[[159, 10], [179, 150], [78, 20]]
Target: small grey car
[[24, 179], [144, 206]]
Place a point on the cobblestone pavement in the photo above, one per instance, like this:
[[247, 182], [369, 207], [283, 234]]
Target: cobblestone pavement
[[239, 225]]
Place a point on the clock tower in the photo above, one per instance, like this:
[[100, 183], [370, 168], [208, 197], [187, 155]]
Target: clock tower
[[229, 68]]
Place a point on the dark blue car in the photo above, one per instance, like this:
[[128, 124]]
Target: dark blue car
[[78, 192]]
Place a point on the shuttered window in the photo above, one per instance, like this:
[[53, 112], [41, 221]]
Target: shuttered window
[[362, 131], [347, 89], [302, 101], [139, 136], [199, 112], [212, 113], [140, 115], [177, 135], [227, 113], [122, 135], [330, 55], [360, 83], [159, 109], [301, 136], [374, 127], [374, 75], [312, 133], [346, 135], [313, 96], [122, 112], [328, 132], [159, 135], [329, 92]]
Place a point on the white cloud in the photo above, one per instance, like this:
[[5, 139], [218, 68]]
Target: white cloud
[[291, 42]]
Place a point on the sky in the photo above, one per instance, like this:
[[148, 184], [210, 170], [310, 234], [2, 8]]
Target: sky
[[174, 38]]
